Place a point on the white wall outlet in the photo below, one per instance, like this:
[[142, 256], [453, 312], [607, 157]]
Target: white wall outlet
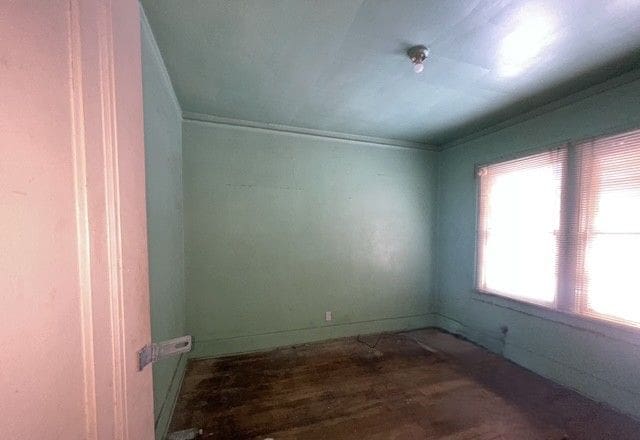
[[328, 315]]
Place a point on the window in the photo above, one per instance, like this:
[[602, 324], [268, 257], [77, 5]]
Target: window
[[608, 282], [562, 228], [519, 222]]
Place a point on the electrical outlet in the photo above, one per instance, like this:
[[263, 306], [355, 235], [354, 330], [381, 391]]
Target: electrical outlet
[[328, 315]]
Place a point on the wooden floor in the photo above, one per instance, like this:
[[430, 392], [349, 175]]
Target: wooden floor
[[415, 385]]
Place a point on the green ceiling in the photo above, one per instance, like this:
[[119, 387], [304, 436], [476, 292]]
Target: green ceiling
[[340, 65]]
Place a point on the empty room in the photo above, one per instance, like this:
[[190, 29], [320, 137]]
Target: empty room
[[320, 219]]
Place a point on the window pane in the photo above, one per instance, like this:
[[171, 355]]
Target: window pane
[[519, 222], [609, 238], [618, 210], [614, 276], [522, 265]]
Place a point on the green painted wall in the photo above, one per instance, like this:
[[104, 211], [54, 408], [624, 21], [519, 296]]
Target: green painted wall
[[597, 360], [280, 228], [163, 154]]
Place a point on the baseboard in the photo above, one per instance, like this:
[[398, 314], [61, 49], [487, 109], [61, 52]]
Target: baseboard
[[569, 376], [249, 343], [166, 413]]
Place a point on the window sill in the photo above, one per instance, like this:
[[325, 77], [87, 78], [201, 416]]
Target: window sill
[[603, 328]]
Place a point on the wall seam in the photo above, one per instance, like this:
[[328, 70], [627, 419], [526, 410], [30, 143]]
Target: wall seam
[[155, 51]]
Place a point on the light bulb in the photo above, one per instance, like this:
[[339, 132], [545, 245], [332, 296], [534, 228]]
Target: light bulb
[[417, 55]]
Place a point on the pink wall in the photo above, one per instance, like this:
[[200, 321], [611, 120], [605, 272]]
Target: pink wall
[[41, 366], [73, 263]]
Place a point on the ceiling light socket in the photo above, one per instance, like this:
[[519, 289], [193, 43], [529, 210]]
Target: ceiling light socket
[[417, 55]]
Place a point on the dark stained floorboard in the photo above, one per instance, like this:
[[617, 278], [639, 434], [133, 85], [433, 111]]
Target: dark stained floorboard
[[416, 385]]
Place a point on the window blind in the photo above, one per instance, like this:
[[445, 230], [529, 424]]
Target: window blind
[[519, 226], [608, 228]]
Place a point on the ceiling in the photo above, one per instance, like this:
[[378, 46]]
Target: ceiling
[[341, 65]]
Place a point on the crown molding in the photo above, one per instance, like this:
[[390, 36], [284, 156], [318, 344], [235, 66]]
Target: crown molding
[[573, 98], [351, 138]]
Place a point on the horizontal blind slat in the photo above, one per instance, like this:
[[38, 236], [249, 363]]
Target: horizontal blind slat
[[608, 228], [518, 226]]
